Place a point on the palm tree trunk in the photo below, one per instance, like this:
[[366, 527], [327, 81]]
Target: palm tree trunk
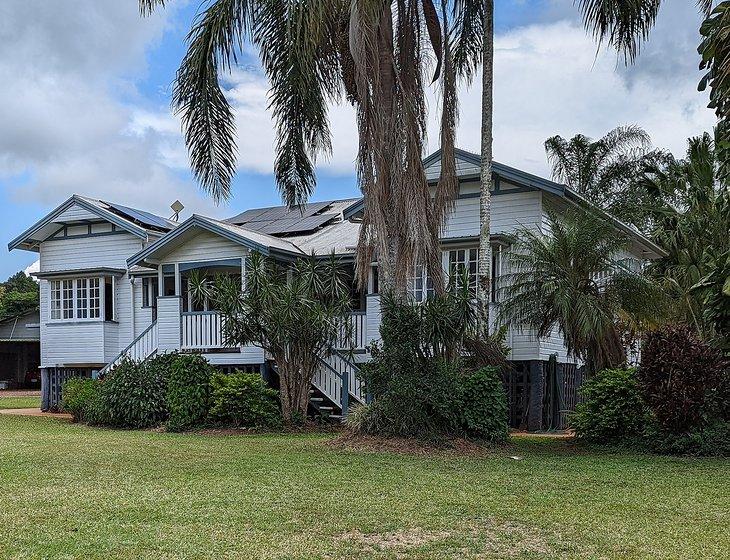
[[485, 199]]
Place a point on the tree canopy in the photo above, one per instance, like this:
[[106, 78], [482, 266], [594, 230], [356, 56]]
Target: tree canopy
[[18, 294]]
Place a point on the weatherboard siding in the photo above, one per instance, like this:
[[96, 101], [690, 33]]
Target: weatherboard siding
[[76, 213], [205, 246], [88, 252], [86, 342], [510, 210]]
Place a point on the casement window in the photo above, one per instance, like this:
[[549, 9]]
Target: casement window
[[464, 259], [78, 298], [150, 289], [421, 284]]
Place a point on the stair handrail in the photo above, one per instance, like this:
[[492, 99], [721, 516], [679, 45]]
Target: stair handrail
[[118, 357]]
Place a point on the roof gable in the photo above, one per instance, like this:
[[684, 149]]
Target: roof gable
[[255, 241], [75, 209]]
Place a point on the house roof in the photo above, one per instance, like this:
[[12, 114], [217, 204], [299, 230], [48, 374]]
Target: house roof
[[21, 328], [261, 242], [524, 179], [136, 222]]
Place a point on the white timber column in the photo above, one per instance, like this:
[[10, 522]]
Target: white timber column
[[160, 281], [178, 281], [131, 310]]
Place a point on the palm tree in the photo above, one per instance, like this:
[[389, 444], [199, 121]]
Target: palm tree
[[606, 171], [315, 52], [484, 267], [691, 215], [572, 281]]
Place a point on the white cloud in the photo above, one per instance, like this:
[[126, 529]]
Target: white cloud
[[549, 79], [73, 121]]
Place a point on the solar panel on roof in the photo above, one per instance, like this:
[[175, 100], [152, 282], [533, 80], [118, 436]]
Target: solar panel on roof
[[141, 216], [278, 213]]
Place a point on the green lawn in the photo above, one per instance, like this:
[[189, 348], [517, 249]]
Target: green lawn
[[19, 402], [69, 491]]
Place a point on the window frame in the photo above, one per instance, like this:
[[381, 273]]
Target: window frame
[[78, 299]]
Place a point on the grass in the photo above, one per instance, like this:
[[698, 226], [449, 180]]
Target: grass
[[70, 491], [19, 402]]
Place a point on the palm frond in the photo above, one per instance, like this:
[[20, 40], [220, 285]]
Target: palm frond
[[147, 7], [207, 118], [622, 24]]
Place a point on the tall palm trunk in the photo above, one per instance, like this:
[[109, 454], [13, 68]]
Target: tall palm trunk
[[485, 198]]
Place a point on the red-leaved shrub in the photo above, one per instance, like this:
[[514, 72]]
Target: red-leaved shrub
[[682, 378]]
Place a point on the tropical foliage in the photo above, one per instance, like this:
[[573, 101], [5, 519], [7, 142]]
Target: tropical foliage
[[375, 54], [291, 312], [417, 380], [611, 408], [243, 399], [607, 171], [684, 380], [576, 282], [690, 206]]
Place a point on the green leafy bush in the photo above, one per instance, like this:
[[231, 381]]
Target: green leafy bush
[[132, 395], [188, 390], [484, 405], [681, 378], [78, 395], [243, 399], [712, 440], [612, 410], [418, 385]]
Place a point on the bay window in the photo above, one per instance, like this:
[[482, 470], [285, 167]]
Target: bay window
[[80, 298]]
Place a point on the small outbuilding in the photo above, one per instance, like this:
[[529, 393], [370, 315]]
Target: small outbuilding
[[20, 351]]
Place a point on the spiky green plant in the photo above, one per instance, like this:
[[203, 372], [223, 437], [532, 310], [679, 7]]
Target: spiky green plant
[[575, 280], [294, 313]]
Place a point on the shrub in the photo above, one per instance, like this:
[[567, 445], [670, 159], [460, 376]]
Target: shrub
[[188, 390], [484, 405], [713, 440], [77, 397], [612, 410], [412, 397], [131, 396], [680, 378], [243, 399], [416, 380]]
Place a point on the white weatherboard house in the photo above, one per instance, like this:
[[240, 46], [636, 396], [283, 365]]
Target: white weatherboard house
[[114, 282]]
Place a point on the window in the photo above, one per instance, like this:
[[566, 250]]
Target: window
[[78, 298], [67, 298], [55, 299], [464, 259], [150, 288], [421, 285], [108, 298]]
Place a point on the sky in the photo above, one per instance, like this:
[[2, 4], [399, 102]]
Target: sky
[[85, 104]]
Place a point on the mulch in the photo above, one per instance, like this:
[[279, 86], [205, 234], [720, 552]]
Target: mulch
[[19, 393]]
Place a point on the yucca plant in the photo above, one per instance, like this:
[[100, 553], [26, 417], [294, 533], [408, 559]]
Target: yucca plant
[[294, 313]]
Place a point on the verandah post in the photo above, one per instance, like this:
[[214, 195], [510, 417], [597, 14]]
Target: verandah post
[[345, 399]]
